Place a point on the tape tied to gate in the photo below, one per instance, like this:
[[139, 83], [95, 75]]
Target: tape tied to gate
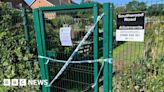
[[48, 59], [108, 60], [80, 62]]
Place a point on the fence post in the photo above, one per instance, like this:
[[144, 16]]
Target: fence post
[[106, 45], [26, 32], [25, 27], [110, 45], [95, 13]]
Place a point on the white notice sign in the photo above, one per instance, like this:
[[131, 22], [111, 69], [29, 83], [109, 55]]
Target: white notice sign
[[130, 35], [65, 36], [130, 27]]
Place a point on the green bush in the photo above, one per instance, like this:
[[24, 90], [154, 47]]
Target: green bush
[[141, 76], [15, 61]]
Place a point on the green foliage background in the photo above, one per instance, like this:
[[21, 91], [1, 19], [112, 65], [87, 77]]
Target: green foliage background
[[15, 61], [141, 76]]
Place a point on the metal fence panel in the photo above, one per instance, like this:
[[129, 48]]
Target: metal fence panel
[[134, 60]]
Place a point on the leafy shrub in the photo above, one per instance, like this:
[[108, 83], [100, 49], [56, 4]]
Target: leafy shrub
[[15, 61], [141, 76]]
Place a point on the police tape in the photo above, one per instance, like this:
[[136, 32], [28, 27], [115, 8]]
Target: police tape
[[108, 60]]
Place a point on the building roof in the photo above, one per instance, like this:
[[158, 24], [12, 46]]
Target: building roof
[[54, 2]]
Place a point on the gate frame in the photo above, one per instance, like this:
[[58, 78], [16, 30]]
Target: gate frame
[[40, 36], [108, 46], [107, 40]]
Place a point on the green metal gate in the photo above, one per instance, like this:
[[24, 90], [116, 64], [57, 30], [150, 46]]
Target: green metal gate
[[76, 77]]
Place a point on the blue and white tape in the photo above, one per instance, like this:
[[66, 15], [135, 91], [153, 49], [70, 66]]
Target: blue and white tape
[[108, 60], [73, 62]]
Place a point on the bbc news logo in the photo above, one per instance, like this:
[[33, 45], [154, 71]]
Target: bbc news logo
[[24, 82]]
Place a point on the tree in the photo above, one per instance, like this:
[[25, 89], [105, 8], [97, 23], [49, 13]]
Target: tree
[[87, 1], [136, 6], [156, 10]]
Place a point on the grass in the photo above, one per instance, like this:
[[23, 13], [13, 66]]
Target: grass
[[128, 51]]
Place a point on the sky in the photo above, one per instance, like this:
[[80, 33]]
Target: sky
[[122, 2]]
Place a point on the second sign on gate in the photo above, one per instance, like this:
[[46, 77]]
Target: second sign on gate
[[130, 27]]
